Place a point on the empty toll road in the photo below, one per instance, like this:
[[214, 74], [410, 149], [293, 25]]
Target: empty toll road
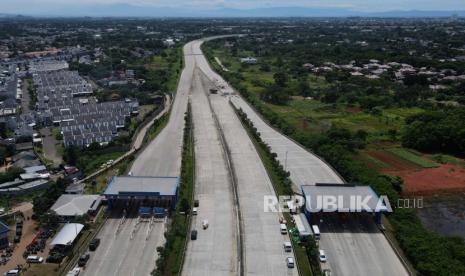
[[215, 250], [134, 252], [351, 248]]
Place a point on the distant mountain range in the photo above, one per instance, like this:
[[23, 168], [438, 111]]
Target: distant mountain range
[[127, 10]]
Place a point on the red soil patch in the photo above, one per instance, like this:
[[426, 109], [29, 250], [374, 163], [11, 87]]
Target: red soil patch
[[445, 178], [393, 161], [354, 110]]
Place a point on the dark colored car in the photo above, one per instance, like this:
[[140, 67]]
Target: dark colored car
[[55, 258], [94, 244], [83, 259], [193, 235]]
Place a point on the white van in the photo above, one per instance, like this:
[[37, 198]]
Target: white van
[[316, 232], [283, 228], [287, 246], [34, 259]]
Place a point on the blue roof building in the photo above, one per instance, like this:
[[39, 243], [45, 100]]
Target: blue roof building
[[149, 190]]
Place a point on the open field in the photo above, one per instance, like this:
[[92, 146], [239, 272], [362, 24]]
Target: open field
[[445, 178], [393, 161], [421, 175], [413, 157]]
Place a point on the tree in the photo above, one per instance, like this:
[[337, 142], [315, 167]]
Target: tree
[[275, 95], [71, 155], [280, 78], [304, 88]]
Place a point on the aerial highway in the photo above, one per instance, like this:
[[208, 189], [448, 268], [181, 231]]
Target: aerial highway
[[263, 252], [355, 247], [123, 251], [215, 250]]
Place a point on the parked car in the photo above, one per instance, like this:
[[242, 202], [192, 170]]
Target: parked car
[[83, 259], [34, 259], [193, 235], [55, 258], [12, 272], [290, 262], [74, 272], [322, 256], [195, 210], [94, 244], [283, 228]]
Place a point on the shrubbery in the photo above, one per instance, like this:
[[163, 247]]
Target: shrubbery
[[436, 131], [431, 254]]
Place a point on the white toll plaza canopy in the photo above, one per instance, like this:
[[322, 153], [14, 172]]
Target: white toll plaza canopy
[[67, 234]]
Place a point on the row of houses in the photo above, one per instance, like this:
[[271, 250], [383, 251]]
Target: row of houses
[[47, 65], [374, 69], [64, 100]]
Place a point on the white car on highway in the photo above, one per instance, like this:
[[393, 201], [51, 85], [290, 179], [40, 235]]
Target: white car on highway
[[290, 262], [322, 256]]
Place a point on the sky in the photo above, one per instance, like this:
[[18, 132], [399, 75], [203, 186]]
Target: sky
[[28, 6]]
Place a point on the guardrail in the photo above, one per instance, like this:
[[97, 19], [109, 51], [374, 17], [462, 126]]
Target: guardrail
[[233, 176], [399, 255], [269, 176]]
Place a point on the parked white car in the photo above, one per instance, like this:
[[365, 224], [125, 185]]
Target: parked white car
[[74, 272], [34, 259]]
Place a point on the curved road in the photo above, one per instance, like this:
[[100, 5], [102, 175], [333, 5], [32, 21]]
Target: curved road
[[263, 252], [118, 253], [355, 247]]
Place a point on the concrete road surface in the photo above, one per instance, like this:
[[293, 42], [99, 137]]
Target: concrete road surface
[[352, 249], [215, 250], [264, 254], [263, 242], [118, 253]]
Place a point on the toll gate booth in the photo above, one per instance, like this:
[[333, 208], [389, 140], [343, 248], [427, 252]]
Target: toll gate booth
[[343, 198], [141, 192]]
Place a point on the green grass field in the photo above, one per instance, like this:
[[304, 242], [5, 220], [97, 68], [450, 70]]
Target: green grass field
[[96, 161], [367, 159], [412, 157], [314, 116]]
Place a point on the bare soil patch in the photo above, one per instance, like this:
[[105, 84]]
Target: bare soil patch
[[446, 178]]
